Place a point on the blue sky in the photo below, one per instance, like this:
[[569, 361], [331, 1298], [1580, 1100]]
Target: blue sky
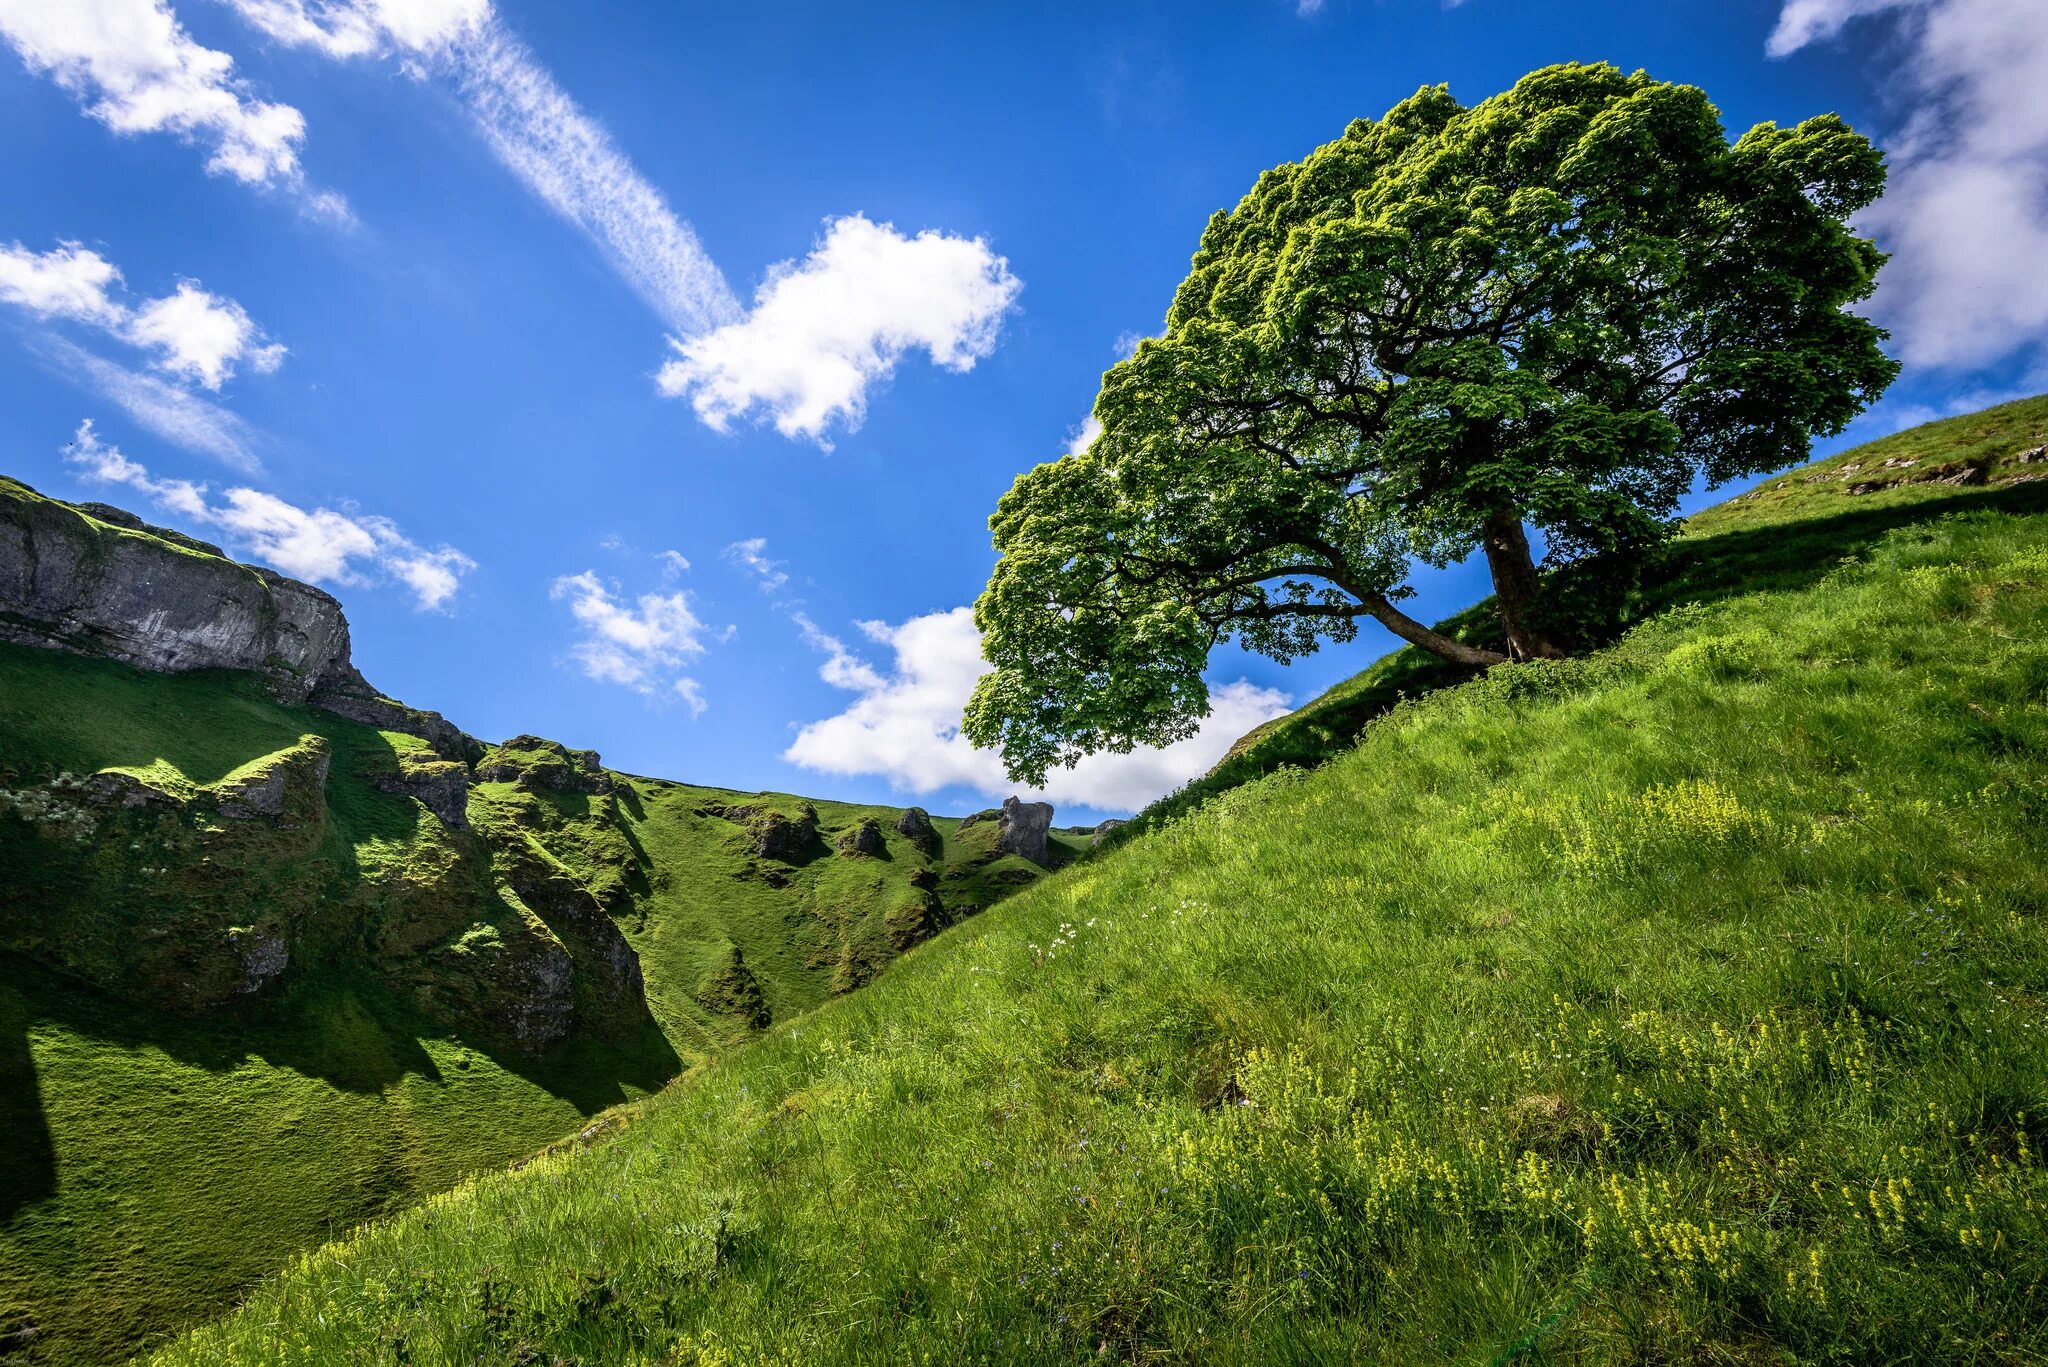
[[458, 306]]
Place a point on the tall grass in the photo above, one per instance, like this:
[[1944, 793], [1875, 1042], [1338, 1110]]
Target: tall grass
[[1688, 1002]]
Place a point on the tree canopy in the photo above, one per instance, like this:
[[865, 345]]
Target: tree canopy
[[1558, 308]]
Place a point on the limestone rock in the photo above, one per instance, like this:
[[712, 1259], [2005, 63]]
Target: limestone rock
[[441, 786], [1022, 830], [541, 765], [157, 600], [916, 823], [863, 838], [289, 782]]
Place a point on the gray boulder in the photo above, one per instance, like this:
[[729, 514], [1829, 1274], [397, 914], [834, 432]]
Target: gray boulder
[[1022, 829]]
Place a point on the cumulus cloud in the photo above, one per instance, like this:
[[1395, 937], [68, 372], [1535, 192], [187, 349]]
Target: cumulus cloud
[[904, 725], [643, 645], [824, 329], [751, 555], [192, 334], [135, 69], [1083, 437], [318, 545], [1966, 213]]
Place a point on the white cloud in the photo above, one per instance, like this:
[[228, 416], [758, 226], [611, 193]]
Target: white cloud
[[69, 282], [195, 335], [136, 70], [1083, 437], [570, 162], [673, 563], [905, 726], [171, 412], [360, 28], [201, 336], [642, 645], [822, 330], [1966, 214], [560, 153], [752, 555], [320, 545]]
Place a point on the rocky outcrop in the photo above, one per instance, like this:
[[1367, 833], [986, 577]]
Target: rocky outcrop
[[610, 994], [1022, 830], [100, 581], [290, 781], [540, 765], [113, 586], [864, 839], [440, 785], [916, 824]]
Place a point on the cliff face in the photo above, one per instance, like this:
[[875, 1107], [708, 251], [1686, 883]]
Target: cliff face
[[197, 847], [100, 581]]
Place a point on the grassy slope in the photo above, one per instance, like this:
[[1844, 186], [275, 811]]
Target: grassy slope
[[1775, 534], [156, 1167], [1688, 1002]]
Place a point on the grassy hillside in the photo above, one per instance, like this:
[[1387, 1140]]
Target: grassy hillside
[[1781, 532], [1686, 1002], [174, 1135]]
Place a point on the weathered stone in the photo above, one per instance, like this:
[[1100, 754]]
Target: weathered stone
[[541, 765], [441, 786], [153, 599], [290, 781], [916, 824], [100, 581], [264, 957], [1105, 827], [1023, 830], [777, 835], [863, 838], [2028, 457]]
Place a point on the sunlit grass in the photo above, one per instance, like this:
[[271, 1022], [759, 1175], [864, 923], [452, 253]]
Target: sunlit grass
[[1682, 1003]]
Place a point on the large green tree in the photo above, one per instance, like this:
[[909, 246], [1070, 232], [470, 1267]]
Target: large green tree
[[1557, 309]]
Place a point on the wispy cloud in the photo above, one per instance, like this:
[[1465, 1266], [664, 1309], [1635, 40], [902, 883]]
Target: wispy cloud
[[132, 66], [1966, 214], [751, 555], [192, 334], [171, 412], [824, 329], [533, 128], [319, 544], [643, 645], [570, 162], [904, 723]]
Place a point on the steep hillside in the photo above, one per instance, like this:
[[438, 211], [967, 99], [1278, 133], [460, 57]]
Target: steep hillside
[[279, 954], [1685, 1002], [1784, 531]]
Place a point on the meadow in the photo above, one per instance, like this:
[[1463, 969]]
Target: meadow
[[1684, 1002]]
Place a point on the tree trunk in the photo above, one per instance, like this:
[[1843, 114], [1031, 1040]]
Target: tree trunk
[[1515, 586], [1416, 634]]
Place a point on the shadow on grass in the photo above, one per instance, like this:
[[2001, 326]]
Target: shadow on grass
[[1774, 557], [354, 1035]]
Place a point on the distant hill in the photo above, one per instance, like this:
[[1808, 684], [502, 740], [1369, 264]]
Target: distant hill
[[1686, 1001], [279, 954]]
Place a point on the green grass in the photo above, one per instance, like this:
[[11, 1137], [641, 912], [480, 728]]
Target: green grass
[[1785, 533], [158, 1162], [1683, 1003]]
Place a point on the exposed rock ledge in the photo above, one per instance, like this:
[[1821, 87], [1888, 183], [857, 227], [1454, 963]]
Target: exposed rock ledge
[[100, 581]]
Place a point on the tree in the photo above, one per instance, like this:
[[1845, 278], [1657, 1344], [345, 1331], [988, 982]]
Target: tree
[[1558, 308]]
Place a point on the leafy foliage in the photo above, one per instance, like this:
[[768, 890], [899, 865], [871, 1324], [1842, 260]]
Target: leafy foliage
[[1560, 307]]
